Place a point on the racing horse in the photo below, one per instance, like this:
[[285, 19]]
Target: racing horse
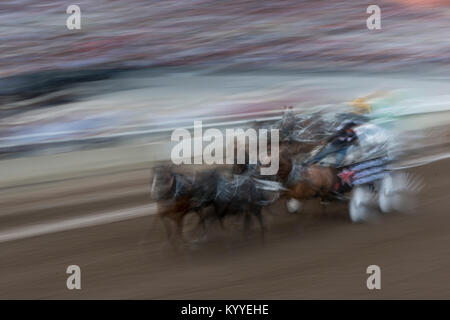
[[179, 194], [245, 195], [309, 182]]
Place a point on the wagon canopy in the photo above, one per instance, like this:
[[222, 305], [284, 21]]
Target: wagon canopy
[[373, 142]]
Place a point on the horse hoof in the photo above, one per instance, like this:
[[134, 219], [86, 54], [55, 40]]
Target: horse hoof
[[397, 192], [360, 205], [293, 205]]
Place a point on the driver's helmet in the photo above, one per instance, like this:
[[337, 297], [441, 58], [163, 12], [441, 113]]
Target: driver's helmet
[[350, 119], [361, 106]]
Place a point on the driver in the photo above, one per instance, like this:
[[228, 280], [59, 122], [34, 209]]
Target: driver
[[338, 144]]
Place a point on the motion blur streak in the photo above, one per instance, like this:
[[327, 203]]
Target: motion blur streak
[[86, 114], [82, 222]]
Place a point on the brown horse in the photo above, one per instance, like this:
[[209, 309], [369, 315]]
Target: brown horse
[[288, 154], [303, 182], [306, 182], [311, 182], [178, 194], [298, 144]]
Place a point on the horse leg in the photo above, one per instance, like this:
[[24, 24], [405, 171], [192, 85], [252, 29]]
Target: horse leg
[[221, 211], [167, 227], [323, 205], [163, 215], [179, 226], [247, 221], [258, 213], [153, 226], [202, 223], [177, 217]]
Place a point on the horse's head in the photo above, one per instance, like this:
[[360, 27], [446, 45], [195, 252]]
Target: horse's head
[[162, 182], [300, 182]]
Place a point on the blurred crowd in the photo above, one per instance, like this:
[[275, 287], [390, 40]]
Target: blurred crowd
[[318, 35]]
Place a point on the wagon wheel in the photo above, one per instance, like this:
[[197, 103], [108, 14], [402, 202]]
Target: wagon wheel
[[361, 205]]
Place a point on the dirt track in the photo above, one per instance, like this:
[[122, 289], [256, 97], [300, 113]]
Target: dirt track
[[314, 255]]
